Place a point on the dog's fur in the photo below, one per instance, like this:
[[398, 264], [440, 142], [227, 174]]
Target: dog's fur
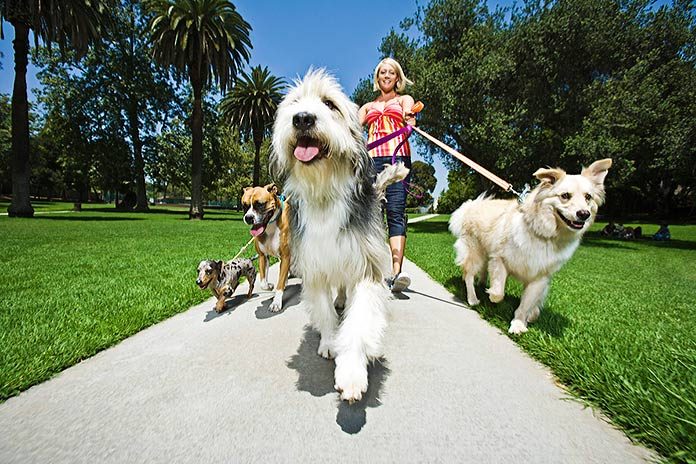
[[529, 241], [338, 242], [223, 278], [270, 226]]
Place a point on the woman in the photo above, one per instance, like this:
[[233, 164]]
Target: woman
[[389, 112]]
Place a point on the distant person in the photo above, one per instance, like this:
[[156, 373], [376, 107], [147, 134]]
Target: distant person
[[387, 113], [662, 233]]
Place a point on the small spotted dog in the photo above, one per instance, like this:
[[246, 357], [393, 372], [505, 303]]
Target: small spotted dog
[[223, 278]]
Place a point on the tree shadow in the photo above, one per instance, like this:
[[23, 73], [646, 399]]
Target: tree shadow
[[78, 218], [428, 227], [316, 377], [291, 297], [596, 239]]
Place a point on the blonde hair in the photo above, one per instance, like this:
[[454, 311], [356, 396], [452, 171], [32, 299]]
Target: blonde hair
[[402, 80]]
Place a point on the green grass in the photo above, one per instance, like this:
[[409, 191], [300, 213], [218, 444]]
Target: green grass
[[618, 328], [74, 284]]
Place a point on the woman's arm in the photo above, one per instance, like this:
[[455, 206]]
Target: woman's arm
[[407, 103], [362, 113]]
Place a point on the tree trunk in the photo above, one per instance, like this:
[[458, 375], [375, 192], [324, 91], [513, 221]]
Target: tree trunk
[[196, 211], [21, 204], [140, 191], [257, 162]]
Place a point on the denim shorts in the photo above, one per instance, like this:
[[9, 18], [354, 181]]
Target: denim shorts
[[396, 196]]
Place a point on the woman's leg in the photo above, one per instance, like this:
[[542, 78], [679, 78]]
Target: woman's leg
[[397, 245]]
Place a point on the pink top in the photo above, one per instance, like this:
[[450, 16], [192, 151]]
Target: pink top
[[383, 123]]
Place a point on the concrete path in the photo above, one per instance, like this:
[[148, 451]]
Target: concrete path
[[248, 386]]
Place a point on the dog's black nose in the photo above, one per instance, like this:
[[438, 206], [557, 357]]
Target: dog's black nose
[[304, 120], [583, 214], [198, 281], [249, 219]]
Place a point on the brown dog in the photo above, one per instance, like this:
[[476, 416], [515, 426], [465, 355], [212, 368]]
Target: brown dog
[[268, 215]]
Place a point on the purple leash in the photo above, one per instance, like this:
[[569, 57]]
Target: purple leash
[[407, 129]]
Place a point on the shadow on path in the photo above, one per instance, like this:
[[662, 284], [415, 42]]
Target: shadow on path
[[230, 305], [316, 376], [291, 297]]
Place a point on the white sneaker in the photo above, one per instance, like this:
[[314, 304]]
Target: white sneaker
[[400, 282]]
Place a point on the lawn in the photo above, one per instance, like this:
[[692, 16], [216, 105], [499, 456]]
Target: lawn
[[73, 284], [618, 328]]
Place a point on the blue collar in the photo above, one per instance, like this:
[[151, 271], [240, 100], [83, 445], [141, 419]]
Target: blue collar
[[275, 217]]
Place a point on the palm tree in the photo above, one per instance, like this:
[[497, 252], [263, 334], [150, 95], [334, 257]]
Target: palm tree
[[205, 41], [251, 106], [69, 23]]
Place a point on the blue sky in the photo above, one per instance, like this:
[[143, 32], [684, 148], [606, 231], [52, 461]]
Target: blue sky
[[289, 37]]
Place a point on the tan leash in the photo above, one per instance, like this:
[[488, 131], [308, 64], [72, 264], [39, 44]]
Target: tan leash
[[472, 164], [506, 186], [243, 248]]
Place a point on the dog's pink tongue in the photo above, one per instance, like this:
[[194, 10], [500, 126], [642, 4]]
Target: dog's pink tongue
[[257, 229], [306, 149]]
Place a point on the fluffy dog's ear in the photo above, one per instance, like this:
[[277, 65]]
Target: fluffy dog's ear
[[597, 171], [271, 188], [218, 265], [549, 176]]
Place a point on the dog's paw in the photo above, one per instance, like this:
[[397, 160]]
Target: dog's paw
[[472, 300], [266, 286], [325, 350], [219, 309], [277, 303], [517, 327], [496, 298], [351, 379]]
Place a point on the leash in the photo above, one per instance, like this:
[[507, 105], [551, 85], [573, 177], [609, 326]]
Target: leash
[[408, 129], [243, 248]]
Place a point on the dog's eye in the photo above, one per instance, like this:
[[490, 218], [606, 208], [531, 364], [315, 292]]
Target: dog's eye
[[259, 204], [330, 104], [565, 196], [208, 271], [588, 197]]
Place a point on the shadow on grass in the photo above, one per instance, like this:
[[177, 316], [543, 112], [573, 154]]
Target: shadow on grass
[[78, 218], [426, 227], [500, 314], [596, 240], [316, 376]]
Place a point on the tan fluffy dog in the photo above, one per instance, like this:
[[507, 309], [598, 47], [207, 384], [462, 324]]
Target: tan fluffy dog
[[267, 214], [529, 241]]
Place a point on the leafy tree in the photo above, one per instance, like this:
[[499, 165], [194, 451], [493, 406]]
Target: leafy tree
[[5, 143], [70, 23], [423, 183], [206, 41], [251, 107], [461, 186], [559, 83], [167, 159], [134, 89]]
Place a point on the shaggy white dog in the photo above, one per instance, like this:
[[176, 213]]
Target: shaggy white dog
[[338, 243], [529, 241]]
